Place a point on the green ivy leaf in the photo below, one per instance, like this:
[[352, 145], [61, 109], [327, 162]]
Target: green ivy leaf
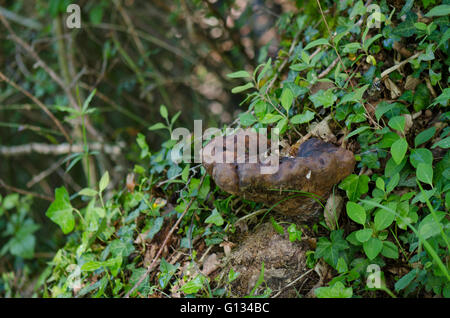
[[294, 234], [354, 96], [316, 43], [287, 97], [406, 28], [239, 74], [156, 226], [439, 11], [420, 155], [357, 9], [363, 235], [104, 181], [393, 182], [383, 219], [330, 251], [398, 150], [232, 275], [444, 143], [167, 270], [341, 266], [88, 192], [444, 97], [338, 290], [163, 111], [306, 117], [397, 123], [421, 97], [277, 227], [247, 119], [91, 266], [355, 186], [241, 88], [215, 218], [323, 98], [403, 282], [434, 77], [389, 250], [60, 211], [372, 247], [157, 126], [424, 136], [356, 212], [193, 286], [425, 173]]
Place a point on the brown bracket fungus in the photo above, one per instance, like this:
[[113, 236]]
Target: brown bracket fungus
[[294, 188]]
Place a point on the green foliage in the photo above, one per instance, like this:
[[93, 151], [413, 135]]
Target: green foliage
[[397, 199], [17, 228], [338, 290]]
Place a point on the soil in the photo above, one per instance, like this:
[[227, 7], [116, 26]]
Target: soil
[[284, 261]]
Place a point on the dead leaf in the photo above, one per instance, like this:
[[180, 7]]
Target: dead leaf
[[399, 47], [149, 255], [131, 184], [321, 85], [284, 152], [323, 131], [390, 85], [408, 122], [333, 210], [210, 264], [411, 82]]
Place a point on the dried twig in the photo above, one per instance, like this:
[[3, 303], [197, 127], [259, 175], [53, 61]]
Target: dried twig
[[280, 69], [24, 192], [55, 77], [293, 282], [44, 174], [329, 68], [65, 148], [334, 46], [39, 103], [395, 67]]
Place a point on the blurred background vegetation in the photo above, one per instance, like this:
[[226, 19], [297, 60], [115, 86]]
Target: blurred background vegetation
[[84, 109]]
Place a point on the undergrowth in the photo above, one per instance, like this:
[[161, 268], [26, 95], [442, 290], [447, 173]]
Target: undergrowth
[[382, 76]]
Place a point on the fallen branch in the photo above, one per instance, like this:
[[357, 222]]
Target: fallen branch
[[395, 67], [65, 148], [329, 68]]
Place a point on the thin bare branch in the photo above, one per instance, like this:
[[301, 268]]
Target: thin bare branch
[[39, 103], [61, 149]]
